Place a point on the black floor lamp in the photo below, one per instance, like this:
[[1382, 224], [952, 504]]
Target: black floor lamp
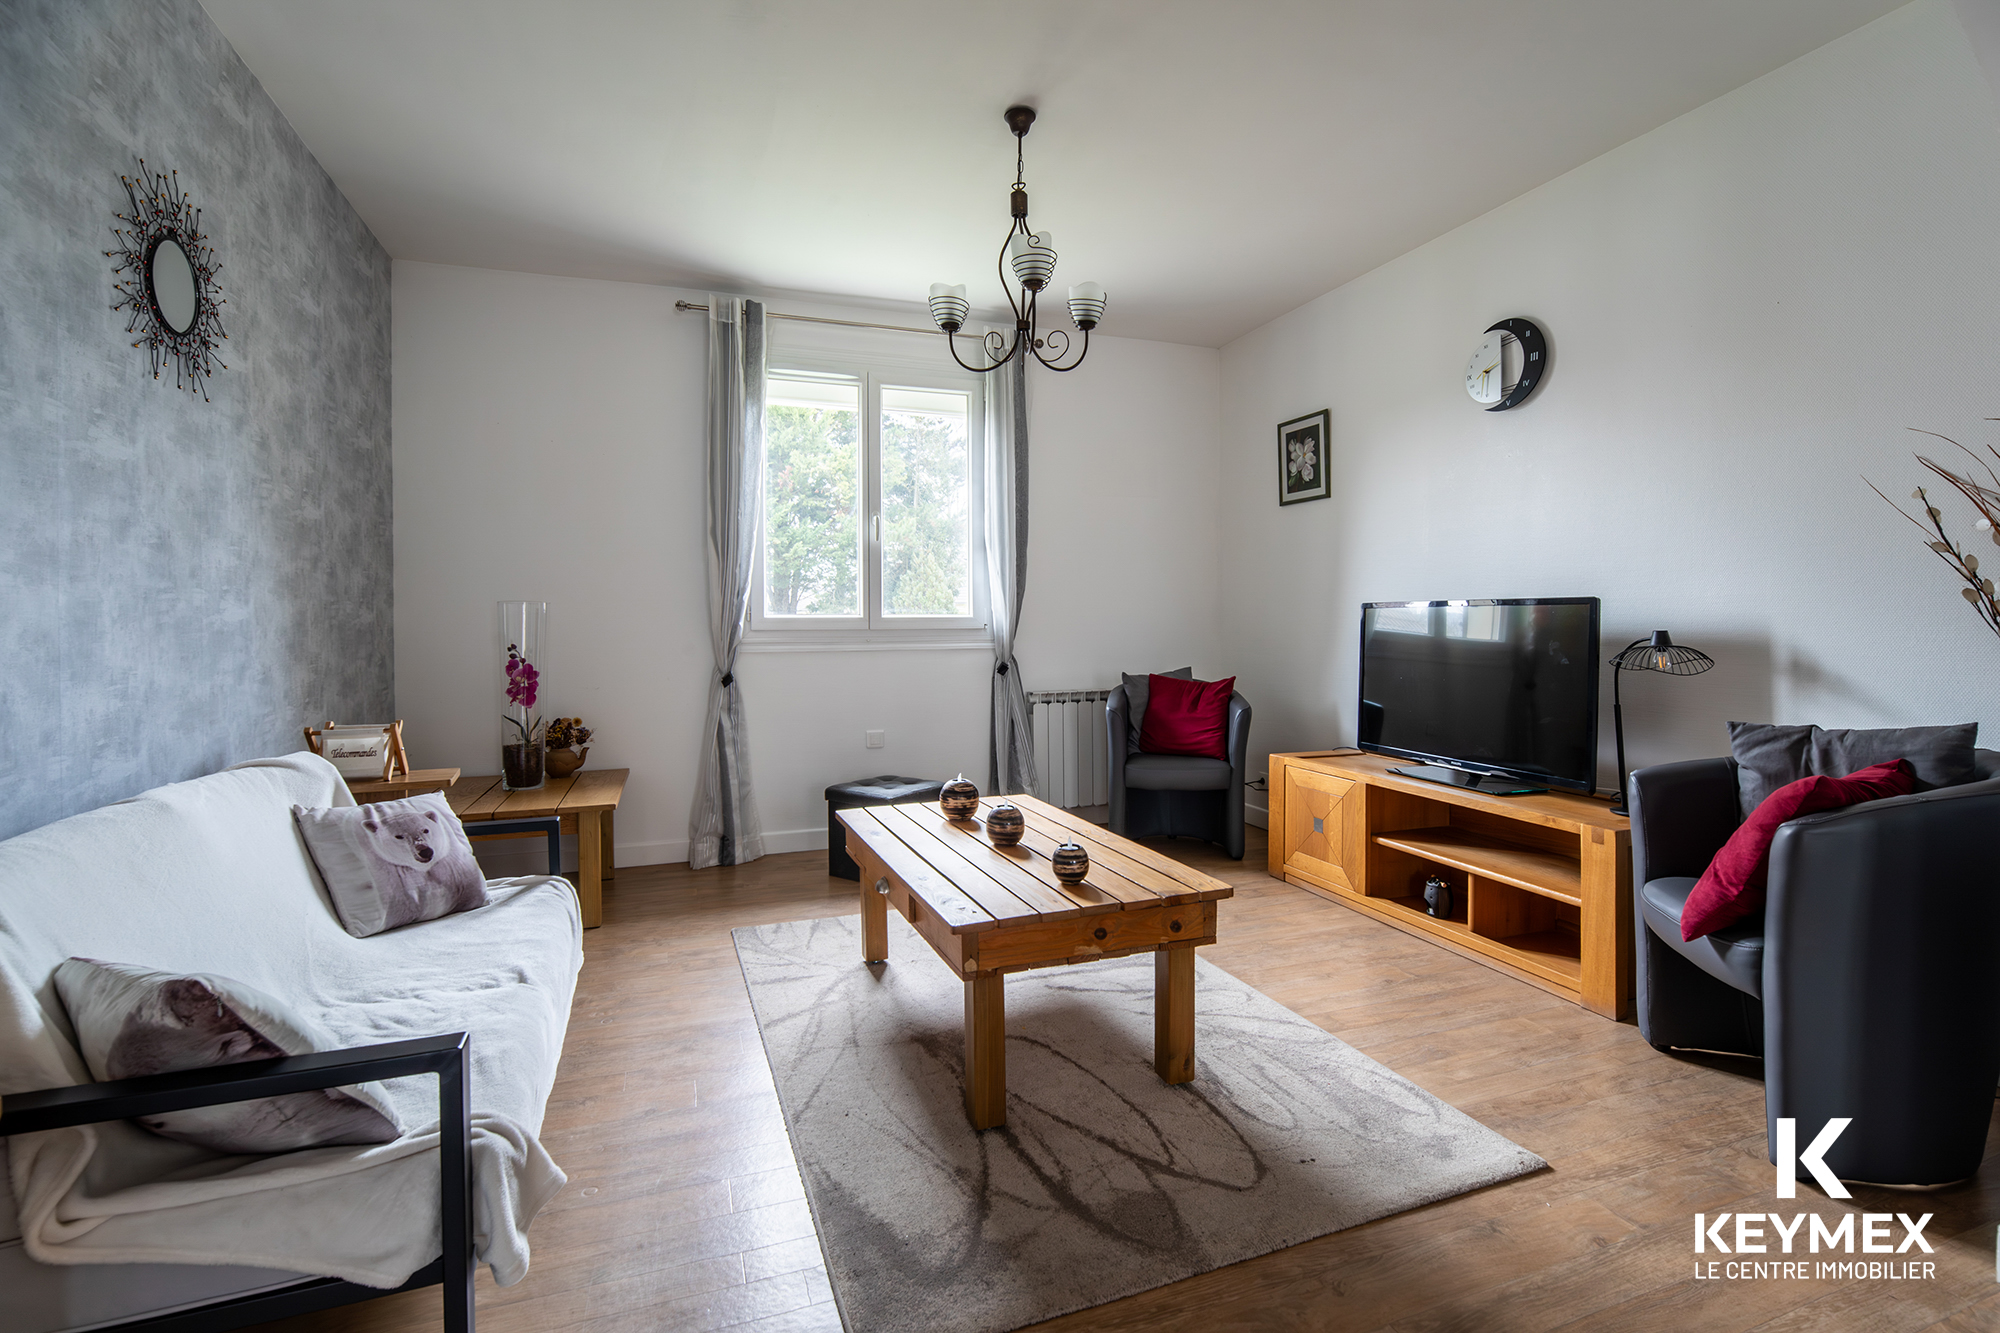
[[1659, 653]]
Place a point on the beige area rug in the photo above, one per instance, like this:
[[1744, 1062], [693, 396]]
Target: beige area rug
[[1104, 1181]]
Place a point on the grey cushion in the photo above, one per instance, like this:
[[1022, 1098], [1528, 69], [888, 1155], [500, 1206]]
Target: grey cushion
[[131, 1022], [1768, 755], [1734, 955], [1137, 690], [1176, 772], [393, 863]]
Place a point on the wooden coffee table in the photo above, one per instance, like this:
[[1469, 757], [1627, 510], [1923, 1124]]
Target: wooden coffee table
[[988, 911]]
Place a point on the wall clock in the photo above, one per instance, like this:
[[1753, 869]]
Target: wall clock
[[1507, 365]]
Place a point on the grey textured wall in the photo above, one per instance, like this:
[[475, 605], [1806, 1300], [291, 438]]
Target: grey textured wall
[[183, 584]]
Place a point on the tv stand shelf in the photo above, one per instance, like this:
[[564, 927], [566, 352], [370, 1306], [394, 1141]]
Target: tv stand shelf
[[1548, 873], [1541, 885]]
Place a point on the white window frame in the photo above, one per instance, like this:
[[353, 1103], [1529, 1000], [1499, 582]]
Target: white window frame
[[873, 629]]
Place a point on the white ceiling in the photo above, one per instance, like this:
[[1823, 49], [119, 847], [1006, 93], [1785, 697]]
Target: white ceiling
[[1213, 165]]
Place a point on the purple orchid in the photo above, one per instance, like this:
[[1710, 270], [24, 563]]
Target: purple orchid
[[522, 678], [523, 681]]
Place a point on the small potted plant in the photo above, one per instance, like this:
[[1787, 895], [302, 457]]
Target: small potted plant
[[559, 737]]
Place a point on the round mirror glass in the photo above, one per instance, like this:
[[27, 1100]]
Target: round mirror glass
[[173, 286]]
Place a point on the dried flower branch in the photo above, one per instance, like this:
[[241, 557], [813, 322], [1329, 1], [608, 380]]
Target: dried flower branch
[[1984, 496], [567, 731]]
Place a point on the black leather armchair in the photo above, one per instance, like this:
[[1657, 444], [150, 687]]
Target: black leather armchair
[[1170, 795], [1870, 982]]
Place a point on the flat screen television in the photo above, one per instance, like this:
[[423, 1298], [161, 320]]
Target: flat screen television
[[1498, 695]]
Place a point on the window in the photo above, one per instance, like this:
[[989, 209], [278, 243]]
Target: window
[[871, 524]]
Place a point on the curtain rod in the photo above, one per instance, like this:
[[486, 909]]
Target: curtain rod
[[815, 319]]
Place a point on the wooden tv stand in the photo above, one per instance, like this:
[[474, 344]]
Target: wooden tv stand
[[1541, 885]]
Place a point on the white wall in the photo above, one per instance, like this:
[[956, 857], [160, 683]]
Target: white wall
[[1746, 307], [548, 446]]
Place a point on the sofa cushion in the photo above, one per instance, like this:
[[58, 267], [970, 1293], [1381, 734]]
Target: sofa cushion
[[131, 1022], [1188, 717], [1138, 691], [1768, 755], [1176, 772], [1733, 885], [1734, 954], [393, 863]]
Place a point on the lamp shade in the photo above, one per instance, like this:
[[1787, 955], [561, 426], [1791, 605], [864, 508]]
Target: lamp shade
[[1661, 653], [948, 306], [1033, 255], [1086, 304]]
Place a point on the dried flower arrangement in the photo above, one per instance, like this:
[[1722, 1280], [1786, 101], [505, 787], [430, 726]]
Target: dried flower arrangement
[[1984, 496], [565, 732], [562, 733]]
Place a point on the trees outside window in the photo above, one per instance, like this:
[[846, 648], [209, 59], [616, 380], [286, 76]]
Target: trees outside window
[[870, 503]]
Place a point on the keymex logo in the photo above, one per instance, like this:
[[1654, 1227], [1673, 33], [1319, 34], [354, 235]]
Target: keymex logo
[[1808, 1233]]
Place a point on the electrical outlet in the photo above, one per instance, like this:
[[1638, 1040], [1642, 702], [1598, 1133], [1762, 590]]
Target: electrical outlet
[[875, 740]]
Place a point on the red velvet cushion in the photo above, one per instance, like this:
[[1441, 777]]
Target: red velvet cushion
[[1733, 885], [1187, 717]]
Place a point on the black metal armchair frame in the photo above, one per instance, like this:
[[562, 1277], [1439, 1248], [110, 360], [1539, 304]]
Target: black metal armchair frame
[[93, 1103], [1214, 814], [1870, 985]]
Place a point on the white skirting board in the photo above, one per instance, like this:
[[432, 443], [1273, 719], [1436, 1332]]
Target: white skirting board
[[530, 856]]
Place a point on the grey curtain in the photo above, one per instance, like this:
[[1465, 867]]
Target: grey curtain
[[724, 829], [1011, 758]]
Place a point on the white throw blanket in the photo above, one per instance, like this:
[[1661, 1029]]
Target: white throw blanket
[[211, 876]]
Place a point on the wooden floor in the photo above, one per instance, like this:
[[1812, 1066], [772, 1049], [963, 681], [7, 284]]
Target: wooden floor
[[684, 1209]]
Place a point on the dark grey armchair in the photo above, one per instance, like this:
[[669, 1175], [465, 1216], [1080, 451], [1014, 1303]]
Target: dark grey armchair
[[1171, 795], [1870, 982]]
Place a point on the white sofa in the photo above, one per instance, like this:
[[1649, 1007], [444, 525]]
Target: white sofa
[[105, 1224]]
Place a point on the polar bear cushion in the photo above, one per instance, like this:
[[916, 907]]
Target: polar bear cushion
[[394, 862], [131, 1022]]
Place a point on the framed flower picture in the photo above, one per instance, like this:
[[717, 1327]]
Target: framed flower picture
[[1302, 458]]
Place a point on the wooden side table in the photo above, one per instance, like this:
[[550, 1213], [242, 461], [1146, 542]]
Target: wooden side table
[[585, 802]]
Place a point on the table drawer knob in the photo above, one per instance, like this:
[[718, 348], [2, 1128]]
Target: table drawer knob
[[882, 886], [1175, 927], [1102, 932]]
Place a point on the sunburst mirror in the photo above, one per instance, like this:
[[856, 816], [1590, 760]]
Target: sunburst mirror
[[168, 279]]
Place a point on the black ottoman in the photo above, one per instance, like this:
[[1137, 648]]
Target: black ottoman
[[888, 789]]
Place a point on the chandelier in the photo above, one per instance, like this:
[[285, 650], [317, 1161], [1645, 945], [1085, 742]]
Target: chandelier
[[1033, 257]]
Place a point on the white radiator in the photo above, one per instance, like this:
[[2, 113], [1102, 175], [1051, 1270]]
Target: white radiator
[[1071, 769]]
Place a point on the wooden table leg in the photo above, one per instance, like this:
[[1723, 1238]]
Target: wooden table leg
[[1173, 1014], [874, 920], [590, 868], [610, 860], [986, 1050]]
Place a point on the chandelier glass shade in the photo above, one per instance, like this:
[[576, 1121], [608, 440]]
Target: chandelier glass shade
[[1032, 257]]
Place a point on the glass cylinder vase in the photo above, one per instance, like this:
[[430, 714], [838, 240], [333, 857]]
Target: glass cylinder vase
[[520, 697]]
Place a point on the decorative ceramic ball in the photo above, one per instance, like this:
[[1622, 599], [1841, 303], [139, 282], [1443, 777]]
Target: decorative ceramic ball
[[959, 798], [1072, 863], [1005, 824]]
